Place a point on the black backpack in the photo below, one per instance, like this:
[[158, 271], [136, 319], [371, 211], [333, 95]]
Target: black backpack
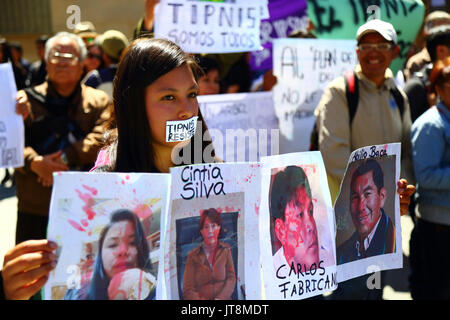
[[352, 94]]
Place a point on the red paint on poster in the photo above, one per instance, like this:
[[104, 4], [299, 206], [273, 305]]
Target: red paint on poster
[[76, 225]]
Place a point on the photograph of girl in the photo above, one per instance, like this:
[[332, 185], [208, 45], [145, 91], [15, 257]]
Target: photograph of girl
[[122, 268]]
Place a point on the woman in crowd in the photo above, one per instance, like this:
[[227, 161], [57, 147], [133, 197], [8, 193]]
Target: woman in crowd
[[93, 60], [209, 272], [122, 265], [430, 238], [209, 81], [155, 83]]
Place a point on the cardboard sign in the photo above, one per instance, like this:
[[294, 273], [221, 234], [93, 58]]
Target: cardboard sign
[[210, 27], [12, 132], [304, 67]]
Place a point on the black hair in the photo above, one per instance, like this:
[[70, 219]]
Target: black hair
[[143, 62], [369, 165], [284, 187], [437, 36]]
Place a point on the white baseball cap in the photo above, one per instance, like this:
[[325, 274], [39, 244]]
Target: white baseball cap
[[385, 29]]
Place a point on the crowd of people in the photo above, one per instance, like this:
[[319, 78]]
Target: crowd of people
[[102, 101]]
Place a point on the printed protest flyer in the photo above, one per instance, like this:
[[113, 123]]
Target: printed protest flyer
[[297, 227], [368, 231], [108, 230], [212, 232], [12, 132]]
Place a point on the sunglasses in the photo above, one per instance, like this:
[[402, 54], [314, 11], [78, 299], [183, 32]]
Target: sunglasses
[[364, 47], [92, 56]]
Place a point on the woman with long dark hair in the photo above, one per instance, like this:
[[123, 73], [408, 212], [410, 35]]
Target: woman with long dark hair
[[156, 82]]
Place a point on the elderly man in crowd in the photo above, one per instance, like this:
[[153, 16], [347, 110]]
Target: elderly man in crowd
[[63, 129]]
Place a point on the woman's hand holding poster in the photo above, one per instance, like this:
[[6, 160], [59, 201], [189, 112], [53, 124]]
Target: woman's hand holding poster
[[255, 230]]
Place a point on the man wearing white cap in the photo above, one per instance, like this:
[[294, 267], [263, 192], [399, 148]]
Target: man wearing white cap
[[381, 116]]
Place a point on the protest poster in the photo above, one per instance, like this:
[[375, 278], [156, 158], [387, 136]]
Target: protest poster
[[304, 67], [243, 126], [368, 231], [213, 208], [12, 132], [297, 220], [210, 27], [108, 230], [341, 20], [285, 16]]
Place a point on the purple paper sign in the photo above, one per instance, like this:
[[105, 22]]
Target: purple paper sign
[[285, 17]]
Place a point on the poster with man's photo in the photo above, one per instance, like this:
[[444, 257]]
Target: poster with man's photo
[[297, 238], [108, 230], [368, 232], [212, 233]]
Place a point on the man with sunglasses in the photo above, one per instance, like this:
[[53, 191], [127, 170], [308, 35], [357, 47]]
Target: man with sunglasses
[[63, 130], [378, 120], [112, 43]]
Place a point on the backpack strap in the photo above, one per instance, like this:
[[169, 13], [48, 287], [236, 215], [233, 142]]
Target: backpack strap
[[398, 100], [352, 93]]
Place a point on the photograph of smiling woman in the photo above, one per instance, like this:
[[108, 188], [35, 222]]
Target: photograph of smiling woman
[[133, 144]]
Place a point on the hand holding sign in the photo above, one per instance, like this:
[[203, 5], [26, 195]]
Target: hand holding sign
[[23, 106]]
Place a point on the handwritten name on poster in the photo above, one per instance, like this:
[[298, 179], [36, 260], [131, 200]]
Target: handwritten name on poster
[[210, 27], [194, 220], [297, 236], [304, 67], [341, 19], [12, 134], [243, 126]]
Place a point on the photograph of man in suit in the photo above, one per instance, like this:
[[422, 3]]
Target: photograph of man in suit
[[375, 232]]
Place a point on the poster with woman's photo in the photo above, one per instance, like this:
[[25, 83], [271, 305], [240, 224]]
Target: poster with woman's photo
[[212, 233], [368, 232], [108, 230], [297, 227]]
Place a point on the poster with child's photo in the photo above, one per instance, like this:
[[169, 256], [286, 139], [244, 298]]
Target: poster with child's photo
[[368, 234], [297, 227], [108, 230], [212, 233]]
